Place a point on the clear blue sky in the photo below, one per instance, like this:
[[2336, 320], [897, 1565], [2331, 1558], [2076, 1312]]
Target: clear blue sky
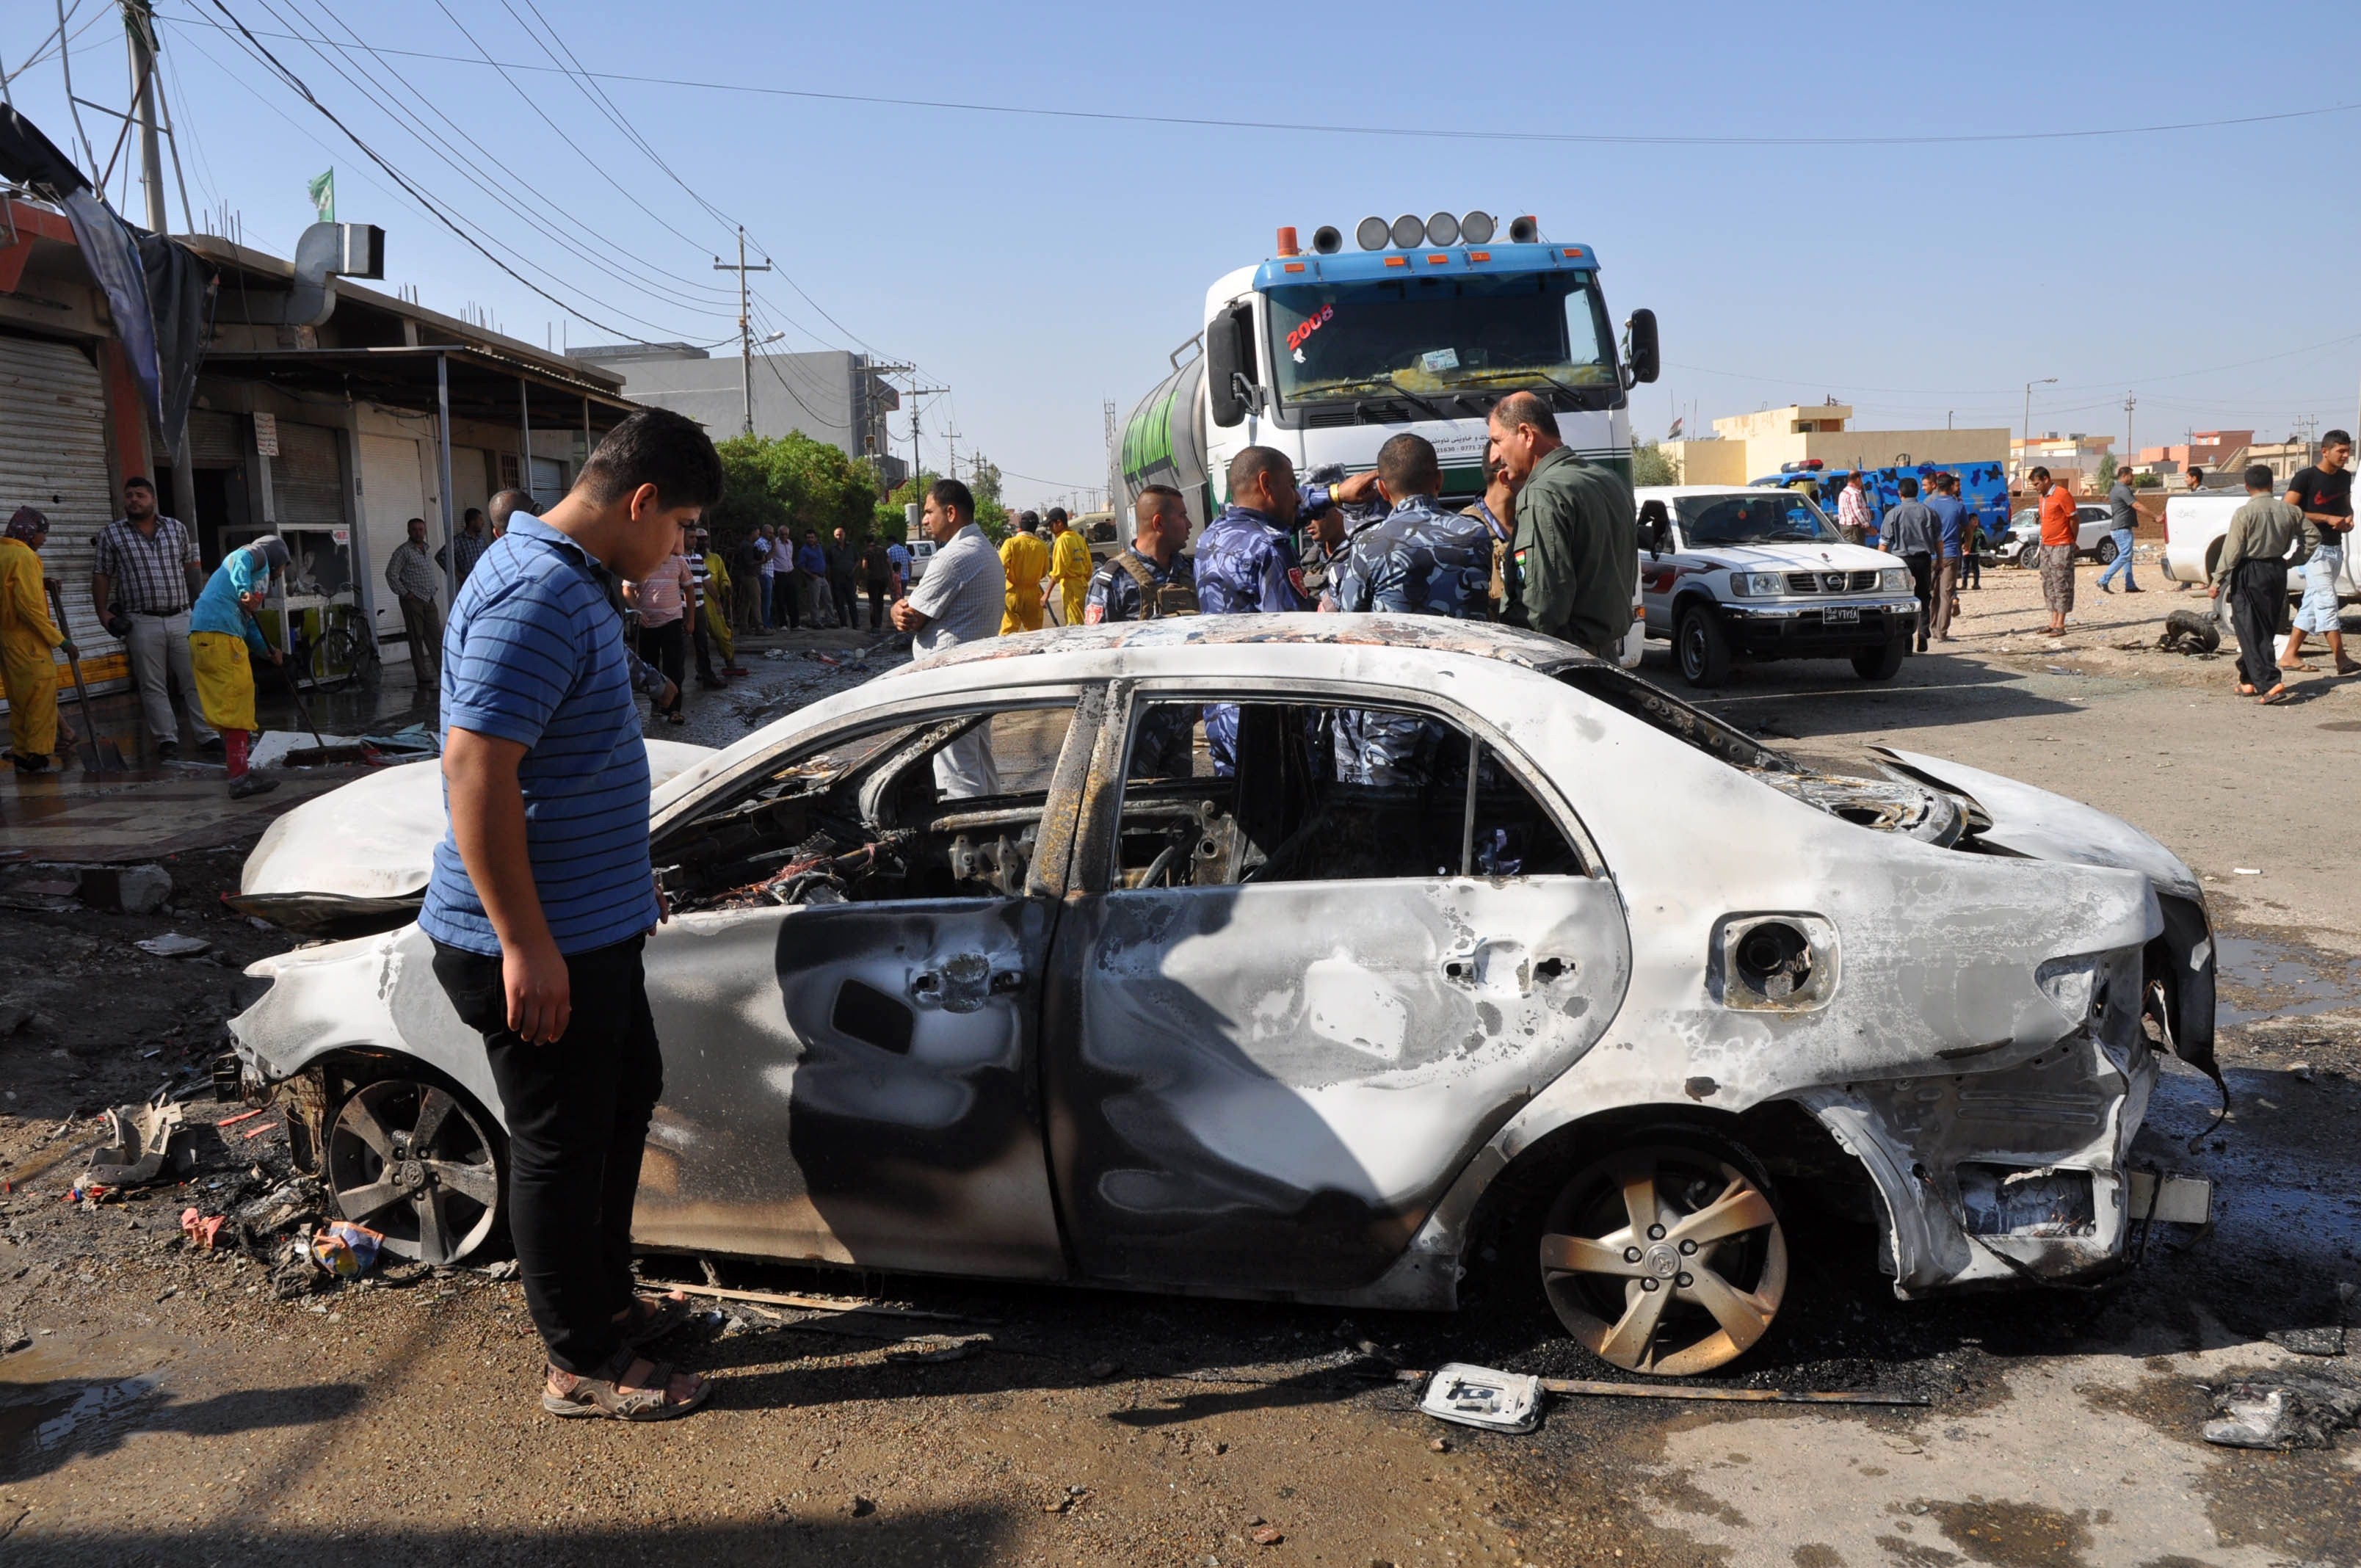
[[1037, 266]]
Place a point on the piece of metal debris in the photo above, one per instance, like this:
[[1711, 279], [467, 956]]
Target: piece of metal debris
[[1754, 1396], [818, 1303], [173, 944], [2295, 1409], [2329, 1341], [1481, 1396], [144, 1144]]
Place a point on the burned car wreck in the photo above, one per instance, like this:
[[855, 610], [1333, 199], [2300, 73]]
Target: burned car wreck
[[1583, 966]]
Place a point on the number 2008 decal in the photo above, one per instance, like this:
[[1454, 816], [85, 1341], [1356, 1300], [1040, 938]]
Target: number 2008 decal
[[1311, 324]]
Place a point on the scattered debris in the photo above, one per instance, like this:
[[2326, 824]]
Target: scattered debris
[[290, 749], [2246, 871], [201, 1228], [173, 944], [1073, 1497], [2329, 1341], [2293, 1410], [22, 1342], [345, 1249], [242, 1116], [817, 1303], [1266, 1535], [860, 1507], [298, 1200], [1440, 1444], [934, 1348], [144, 1144], [1480, 1397], [258, 1131], [133, 890]]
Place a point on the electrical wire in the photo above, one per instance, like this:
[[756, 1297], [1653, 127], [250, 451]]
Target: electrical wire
[[1596, 138], [297, 85]]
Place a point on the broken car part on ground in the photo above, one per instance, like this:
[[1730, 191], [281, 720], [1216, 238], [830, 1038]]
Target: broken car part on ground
[[1479, 940]]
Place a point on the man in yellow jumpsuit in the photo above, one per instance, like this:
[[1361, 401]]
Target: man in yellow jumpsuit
[[28, 669], [1070, 564], [718, 600], [1026, 559]]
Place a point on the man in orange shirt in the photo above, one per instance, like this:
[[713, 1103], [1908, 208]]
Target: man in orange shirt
[[2057, 535]]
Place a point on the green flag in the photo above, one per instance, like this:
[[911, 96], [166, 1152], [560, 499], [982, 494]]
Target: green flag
[[323, 195]]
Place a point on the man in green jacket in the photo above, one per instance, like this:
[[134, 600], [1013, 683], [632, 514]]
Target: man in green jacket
[[1575, 557]]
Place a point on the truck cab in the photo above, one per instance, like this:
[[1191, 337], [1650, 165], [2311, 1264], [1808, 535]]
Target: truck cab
[[1728, 571]]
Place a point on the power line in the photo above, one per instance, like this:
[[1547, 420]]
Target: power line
[[297, 83], [1416, 132]]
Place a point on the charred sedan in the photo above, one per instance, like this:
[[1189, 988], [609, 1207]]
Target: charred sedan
[[1464, 934]]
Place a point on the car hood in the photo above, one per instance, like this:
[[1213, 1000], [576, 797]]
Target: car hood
[[1838, 558], [2024, 820], [356, 859]]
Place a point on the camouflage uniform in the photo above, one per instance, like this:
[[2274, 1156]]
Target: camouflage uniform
[[1164, 746], [1246, 565], [1417, 560]]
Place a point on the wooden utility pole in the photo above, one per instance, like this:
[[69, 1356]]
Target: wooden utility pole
[[745, 332]]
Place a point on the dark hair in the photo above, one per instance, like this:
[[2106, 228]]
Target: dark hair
[[2037, 473], [509, 502], [659, 447], [1028, 519], [471, 511], [140, 482], [1055, 514], [1409, 466], [1909, 489], [1525, 409], [1161, 490], [2336, 438], [2259, 477], [1253, 462], [2198, 475], [953, 496]]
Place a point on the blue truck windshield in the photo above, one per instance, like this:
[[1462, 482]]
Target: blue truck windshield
[[1431, 336]]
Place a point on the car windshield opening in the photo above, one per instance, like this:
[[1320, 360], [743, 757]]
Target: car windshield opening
[[1660, 709], [1772, 517], [1435, 337]]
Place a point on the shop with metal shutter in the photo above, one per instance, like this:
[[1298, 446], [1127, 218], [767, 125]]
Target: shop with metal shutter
[[53, 456], [305, 465]]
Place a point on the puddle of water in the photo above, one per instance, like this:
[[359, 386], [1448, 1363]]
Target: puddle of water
[[55, 1387], [2281, 982]]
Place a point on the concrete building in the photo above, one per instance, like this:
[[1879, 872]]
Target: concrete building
[[2072, 460], [1747, 447], [2215, 451], [831, 396]]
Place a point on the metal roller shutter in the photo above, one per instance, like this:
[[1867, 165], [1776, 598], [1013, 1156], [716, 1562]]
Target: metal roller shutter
[[213, 440], [307, 478], [53, 456]]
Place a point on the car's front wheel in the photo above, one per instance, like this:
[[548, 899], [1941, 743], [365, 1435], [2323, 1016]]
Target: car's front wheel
[[410, 1158], [1703, 647], [2028, 554], [1667, 1258], [1883, 662]]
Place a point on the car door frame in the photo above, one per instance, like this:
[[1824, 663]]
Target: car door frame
[[1067, 1073], [706, 1166]]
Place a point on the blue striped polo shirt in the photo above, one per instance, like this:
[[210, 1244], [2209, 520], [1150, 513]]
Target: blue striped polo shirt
[[535, 654]]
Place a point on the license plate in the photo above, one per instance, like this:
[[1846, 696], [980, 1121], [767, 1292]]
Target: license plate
[[1841, 615]]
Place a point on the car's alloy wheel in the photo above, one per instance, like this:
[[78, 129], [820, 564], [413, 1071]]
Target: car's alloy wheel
[[410, 1158], [1665, 1259], [2106, 554], [2030, 555]]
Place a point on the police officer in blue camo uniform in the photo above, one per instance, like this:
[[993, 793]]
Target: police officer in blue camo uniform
[[1418, 559], [1246, 565], [1152, 580]]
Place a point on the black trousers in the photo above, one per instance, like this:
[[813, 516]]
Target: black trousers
[[577, 1117], [701, 639], [666, 648], [880, 593], [1922, 582], [847, 601], [2257, 595]]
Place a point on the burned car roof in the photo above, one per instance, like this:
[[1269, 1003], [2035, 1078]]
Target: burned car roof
[[1475, 639]]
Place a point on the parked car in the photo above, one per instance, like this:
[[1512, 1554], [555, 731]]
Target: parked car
[[921, 551], [2093, 536], [2194, 527], [1593, 984], [1728, 570]]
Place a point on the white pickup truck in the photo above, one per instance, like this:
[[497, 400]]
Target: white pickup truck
[[2194, 527], [1728, 570]]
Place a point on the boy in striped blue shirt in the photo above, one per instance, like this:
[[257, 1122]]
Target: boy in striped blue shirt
[[541, 896]]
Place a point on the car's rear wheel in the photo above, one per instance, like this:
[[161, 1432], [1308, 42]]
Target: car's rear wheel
[[2106, 554], [412, 1159], [1883, 662], [1702, 647], [1665, 1258]]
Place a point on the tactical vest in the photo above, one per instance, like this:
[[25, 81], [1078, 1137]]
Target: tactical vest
[[1157, 599]]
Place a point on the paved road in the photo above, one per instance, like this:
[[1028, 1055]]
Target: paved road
[[169, 1409]]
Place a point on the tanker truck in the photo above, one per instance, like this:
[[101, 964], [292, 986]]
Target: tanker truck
[[1327, 354]]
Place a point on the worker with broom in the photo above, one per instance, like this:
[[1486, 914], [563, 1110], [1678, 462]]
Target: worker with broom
[[28, 671], [221, 630]]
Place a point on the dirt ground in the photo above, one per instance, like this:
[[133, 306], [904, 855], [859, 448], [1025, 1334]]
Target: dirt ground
[[172, 1405]]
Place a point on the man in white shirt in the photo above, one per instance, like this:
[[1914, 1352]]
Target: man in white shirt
[[1854, 519], [958, 601]]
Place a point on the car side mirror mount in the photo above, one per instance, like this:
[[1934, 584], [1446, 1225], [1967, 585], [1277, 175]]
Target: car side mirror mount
[[1230, 390]]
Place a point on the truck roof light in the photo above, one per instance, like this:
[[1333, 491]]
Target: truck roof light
[[1287, 245], [1397, 260], [1480, 256], [1326, 240], [1371, 234], [1477, 228], [1524, 230], [1292, 266], [1408, 231], [1437, 259], [1574, 252], [1442, 229]]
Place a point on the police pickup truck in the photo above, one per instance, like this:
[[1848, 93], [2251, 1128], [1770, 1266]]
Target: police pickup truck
[[1728, 570]]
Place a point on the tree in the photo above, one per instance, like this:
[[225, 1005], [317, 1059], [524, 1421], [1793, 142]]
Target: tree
[[984, 483], [791, 481], [1651, 465], [2106, 470]]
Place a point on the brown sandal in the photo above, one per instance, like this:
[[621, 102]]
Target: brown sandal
[[650, 1318], [607, 1398]]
